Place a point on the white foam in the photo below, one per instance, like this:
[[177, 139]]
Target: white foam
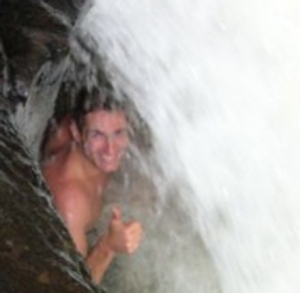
[[218, 84]]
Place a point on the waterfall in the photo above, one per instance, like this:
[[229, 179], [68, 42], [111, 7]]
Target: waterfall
[[217, 83]]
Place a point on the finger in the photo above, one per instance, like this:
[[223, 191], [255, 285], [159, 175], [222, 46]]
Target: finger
[[130, 226], [134, 233], [134, 239], [116, 213], [133, 247]]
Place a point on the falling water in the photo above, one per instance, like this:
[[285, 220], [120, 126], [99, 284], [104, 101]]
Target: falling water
[[217, 84]]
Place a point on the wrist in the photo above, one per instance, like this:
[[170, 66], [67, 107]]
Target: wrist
[[99, 258], [107, 244]]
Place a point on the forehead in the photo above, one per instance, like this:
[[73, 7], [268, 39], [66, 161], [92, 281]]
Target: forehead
[[105, 120]]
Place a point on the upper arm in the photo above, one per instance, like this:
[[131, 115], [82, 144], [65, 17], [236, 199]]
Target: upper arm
[[71, 205]]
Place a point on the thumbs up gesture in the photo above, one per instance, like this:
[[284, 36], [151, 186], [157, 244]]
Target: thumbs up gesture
[[123, 237]]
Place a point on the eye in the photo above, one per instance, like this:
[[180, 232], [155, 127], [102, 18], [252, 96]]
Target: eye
[[121, 132], [95, 134]]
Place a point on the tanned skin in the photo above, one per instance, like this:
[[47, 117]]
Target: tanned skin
[[77, 176]]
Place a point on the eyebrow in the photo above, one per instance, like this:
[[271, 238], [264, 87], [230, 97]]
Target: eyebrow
[[95, 131], [103, 133]]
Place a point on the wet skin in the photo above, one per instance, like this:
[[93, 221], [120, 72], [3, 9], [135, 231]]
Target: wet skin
[[104, 139], [76, 178]]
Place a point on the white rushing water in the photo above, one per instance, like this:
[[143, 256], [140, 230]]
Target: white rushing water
[[218, 84]]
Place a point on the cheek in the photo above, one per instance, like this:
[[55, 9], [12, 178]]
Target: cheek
[[122, 143], [93, 145]]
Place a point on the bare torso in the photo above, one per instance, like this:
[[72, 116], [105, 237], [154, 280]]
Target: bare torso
[[65, 171], [77, 167]]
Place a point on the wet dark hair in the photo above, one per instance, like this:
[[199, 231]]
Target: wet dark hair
[[96, 99]]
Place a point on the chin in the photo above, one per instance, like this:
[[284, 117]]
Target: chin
[[109, 168]]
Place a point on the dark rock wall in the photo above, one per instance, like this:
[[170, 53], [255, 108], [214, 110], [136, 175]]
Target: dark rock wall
[[37, 254], [32, 32], [36, 251]]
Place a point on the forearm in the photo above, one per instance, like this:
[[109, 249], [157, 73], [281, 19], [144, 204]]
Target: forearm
[[99, 259]]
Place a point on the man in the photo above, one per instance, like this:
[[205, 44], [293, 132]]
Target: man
[[78, 173]]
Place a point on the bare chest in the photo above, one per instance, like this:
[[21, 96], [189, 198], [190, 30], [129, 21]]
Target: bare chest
[[93, 201]]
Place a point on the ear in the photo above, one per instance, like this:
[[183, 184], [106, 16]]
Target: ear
[[75, 132]]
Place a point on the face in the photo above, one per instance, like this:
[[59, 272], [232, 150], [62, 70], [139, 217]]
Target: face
[[104, 138]]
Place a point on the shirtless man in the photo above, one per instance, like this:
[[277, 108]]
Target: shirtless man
[[80, 171]]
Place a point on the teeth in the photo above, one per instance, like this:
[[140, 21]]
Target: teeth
[[111, 158]]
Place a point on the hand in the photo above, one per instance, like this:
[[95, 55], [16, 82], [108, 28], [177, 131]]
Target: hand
[[123, 237]]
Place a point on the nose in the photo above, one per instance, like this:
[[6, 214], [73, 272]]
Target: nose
[[109, 146]]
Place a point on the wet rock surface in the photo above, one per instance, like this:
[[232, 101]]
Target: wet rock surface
[[37, 254], [32, 33]]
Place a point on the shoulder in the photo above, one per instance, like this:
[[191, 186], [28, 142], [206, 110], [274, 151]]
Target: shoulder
[[70, 191], [55, 169], [61, 175], [71, 198]]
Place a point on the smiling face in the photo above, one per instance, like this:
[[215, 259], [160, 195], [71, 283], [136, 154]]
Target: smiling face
[[104, 138]]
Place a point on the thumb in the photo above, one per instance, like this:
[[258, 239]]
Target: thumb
[[116, 214]]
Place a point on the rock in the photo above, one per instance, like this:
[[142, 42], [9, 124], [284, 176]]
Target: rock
[[37, 254], [32, 33]]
